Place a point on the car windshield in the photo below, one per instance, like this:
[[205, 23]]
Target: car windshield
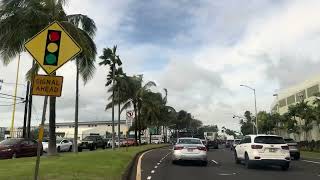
[[237, 141], [269, 140], [289, 141], [189, 141], [10, 141], [89, 138]]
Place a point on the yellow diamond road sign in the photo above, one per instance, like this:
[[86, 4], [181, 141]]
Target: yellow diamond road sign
[[52, 47]]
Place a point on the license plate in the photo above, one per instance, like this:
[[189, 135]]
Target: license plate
[[272, 150], [190, 150]]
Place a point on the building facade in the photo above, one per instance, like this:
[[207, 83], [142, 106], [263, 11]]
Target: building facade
[[304, 91], [103, 128]]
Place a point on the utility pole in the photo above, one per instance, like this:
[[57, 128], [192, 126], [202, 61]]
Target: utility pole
[[15, 99], [255, 107]]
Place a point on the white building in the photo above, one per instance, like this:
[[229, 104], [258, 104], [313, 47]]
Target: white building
[[66, 129], [294, 94]]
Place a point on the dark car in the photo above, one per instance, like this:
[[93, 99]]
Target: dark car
[[212, 144], [92, 143], [293, 148], [18, 147]]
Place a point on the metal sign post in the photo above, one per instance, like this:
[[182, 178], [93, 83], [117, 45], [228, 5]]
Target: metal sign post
[[40, 137]]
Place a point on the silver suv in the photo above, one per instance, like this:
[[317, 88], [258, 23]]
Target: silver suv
[[293, 148]]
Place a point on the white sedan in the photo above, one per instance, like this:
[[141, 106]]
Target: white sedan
[[189, 149], [62, 145]]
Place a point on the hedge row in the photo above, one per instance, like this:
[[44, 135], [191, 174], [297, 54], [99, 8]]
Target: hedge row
[[310, 146]]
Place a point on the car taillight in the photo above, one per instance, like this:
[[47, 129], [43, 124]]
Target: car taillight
[[285, 147], [202, 148], [256, 146], [177, 147]]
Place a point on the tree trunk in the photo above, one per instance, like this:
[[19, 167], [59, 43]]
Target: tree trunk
[[119, 114], [113, 130], [52, 150], [30, 105], [76, 114], [139, 120], [135, 123]]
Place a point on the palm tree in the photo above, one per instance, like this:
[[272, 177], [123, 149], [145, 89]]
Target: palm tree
[[134, 95], [31, 17], [120, 95], [110, 58]]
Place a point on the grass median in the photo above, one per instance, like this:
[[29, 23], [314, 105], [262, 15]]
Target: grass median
[[310, 155], [90, 165]]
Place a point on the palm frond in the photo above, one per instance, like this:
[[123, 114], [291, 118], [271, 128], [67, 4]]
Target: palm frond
[[32, 71], [83, 22], [126, 105]]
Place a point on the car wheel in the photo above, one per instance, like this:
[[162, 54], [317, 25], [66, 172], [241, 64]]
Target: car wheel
[[296, 157], [58, 149], [285, 167], [103, 146], [70, 148], [14, 155], [236, 159], [79, 149], [247, 161], [204, 163], [174, 162]]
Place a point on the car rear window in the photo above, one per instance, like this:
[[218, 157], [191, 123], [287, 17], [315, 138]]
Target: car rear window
[[189, 141], [289, 141], [269, 140]]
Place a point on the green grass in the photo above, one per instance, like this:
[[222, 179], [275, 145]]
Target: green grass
[[95, 165], [312, 155]]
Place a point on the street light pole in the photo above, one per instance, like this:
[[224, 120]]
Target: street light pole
[[255, 105]]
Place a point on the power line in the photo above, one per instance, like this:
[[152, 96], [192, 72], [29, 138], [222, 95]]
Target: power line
[[6, 97], [11, 96], [11, 104]]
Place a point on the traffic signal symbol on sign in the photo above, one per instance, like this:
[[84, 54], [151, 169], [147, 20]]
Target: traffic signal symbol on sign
[[52, 48]]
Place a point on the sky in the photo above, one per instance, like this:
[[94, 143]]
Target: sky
[[201, 51]]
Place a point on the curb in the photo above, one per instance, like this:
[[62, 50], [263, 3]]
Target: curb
[[126, 175]]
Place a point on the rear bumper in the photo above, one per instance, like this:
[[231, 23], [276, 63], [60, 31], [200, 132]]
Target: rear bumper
[[277, 162], [193, 157], [294, 153]]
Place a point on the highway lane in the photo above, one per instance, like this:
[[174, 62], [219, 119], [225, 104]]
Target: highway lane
[[157, 165]]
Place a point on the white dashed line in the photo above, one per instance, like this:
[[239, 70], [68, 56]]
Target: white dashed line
[[149, 177], [214, 161], [226, 174], [315, 162], [153, 171], [156, 167], [158, 163]]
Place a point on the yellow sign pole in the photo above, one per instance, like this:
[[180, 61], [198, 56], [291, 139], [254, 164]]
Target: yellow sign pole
[[15, 99]]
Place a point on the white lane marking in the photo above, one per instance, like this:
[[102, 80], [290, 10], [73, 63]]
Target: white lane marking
[[215, 161], [315, 162], [226, 174], [138, 174], [158, 163], [156, 167], [153, 171], [149, 177]]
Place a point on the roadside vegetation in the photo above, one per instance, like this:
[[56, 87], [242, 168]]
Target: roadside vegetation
[[95, 165]]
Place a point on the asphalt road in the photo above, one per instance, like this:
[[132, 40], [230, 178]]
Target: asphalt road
[[156, 165]]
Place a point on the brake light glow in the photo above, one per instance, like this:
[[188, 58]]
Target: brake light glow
[[202, 148], [256, 146], [285, 147], [177, 147]]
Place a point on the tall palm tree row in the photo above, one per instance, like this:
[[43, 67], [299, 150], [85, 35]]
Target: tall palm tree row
[[32, 16], [110, 58]]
